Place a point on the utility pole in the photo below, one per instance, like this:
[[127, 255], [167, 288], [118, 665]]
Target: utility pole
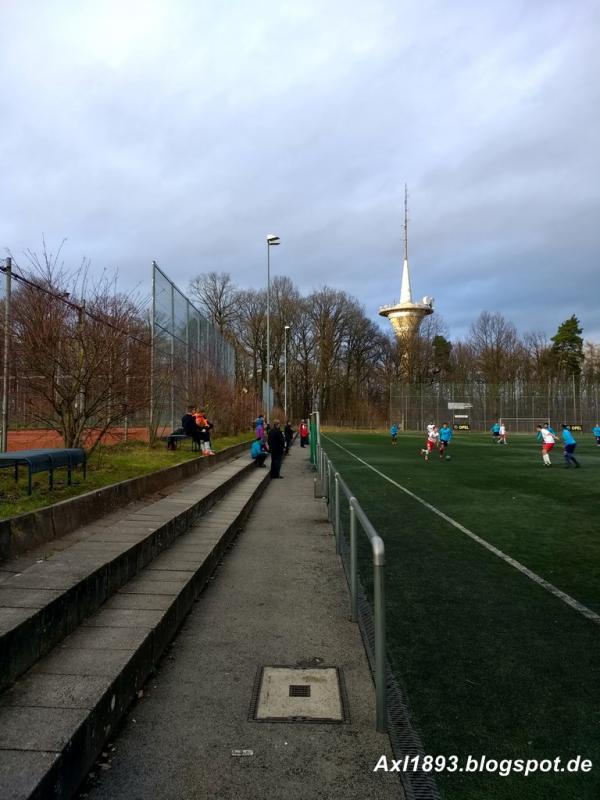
[[6, 360]]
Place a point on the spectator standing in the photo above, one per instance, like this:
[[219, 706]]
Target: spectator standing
[[209, 426], [259, 427], [288, 433], [303, 433], [276, 448], [204, 427]]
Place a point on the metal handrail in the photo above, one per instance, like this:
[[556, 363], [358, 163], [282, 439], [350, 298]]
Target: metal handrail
[[328, 483]]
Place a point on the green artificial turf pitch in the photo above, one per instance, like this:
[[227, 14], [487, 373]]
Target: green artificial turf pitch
[[490, 662]]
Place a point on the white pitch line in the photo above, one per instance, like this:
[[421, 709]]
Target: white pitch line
[[549, 587]]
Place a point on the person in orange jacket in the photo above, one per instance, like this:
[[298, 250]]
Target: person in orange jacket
[[204, 426]]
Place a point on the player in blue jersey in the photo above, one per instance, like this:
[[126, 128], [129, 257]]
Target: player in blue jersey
[[596, 432], [445, 437], [394, 434], [570, 444]]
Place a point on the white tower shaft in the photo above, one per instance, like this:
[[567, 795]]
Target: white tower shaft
[[405, 292]]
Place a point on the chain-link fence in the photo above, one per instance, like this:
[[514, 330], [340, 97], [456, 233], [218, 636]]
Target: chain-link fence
[[189, 355], [478, 405], [98, 367]]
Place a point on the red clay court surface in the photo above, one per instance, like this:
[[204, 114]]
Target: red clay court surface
[[34, 439]]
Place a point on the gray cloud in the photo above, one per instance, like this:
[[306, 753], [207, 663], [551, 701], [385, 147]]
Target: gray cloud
[[185, 132]]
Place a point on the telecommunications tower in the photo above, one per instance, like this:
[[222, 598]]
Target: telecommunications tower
[[406, 316]]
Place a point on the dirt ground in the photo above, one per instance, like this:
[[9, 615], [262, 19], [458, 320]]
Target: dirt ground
[[34, 438]]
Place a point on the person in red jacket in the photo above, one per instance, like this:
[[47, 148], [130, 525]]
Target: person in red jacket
[[303, 433]]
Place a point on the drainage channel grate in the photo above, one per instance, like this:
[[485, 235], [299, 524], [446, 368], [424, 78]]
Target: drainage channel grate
[[298, 694], [299, 691]]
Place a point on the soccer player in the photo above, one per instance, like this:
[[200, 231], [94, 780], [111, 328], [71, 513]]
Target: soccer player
[[432, 440], [495, 429], [445, 437], [548, 439], [596, 432], [394, 434], [570, 444], [502, 432]]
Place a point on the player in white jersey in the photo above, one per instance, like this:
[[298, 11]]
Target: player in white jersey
[[548, 440], [502, 434], [433, 437]]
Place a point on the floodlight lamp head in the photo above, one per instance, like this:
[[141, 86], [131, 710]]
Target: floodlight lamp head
[[287, 327], [272, 239]]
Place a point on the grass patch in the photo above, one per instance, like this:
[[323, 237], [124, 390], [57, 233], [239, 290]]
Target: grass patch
[[106, 465], [490, 662]]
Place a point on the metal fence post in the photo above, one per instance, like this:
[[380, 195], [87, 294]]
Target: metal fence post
[[338, 533], [353, 565], [5, 379], [127, 368], [379, 603], [172, 357]]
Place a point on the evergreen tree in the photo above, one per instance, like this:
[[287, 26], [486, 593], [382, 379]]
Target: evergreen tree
[[567, 346], [442, 349]]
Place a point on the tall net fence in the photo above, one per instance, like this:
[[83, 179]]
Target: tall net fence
[[88, 367], [190, 356]]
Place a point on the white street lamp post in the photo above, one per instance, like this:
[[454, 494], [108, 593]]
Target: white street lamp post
[[272, 241], [287, 327]]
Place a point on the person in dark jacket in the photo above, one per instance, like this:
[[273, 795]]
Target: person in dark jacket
[[288, 433], [276, 448], [188, 423]]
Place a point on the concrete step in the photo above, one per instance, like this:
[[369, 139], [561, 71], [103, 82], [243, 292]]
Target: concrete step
[[55, 720], [45, 602]]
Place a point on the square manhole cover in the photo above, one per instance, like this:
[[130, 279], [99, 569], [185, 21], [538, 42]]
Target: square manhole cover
[[294, 694]]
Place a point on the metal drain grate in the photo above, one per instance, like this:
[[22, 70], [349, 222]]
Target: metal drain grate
[[299, 691]]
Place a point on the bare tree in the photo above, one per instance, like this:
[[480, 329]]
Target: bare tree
[[218, 296], [82, 357]]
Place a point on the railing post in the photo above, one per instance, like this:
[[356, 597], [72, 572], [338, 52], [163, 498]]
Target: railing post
[[338, 533], [353, 565], [380, 671], [328, 482]]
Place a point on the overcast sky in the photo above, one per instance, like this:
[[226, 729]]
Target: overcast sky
[[187, 131]]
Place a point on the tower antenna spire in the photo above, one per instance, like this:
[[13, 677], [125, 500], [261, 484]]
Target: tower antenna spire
[[405, 222]]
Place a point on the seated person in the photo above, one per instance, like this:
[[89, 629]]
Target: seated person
[[258, 453], [190, 428]]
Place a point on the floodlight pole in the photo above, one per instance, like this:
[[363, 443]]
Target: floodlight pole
[[6, 362], [286, 329], [272, 241]]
